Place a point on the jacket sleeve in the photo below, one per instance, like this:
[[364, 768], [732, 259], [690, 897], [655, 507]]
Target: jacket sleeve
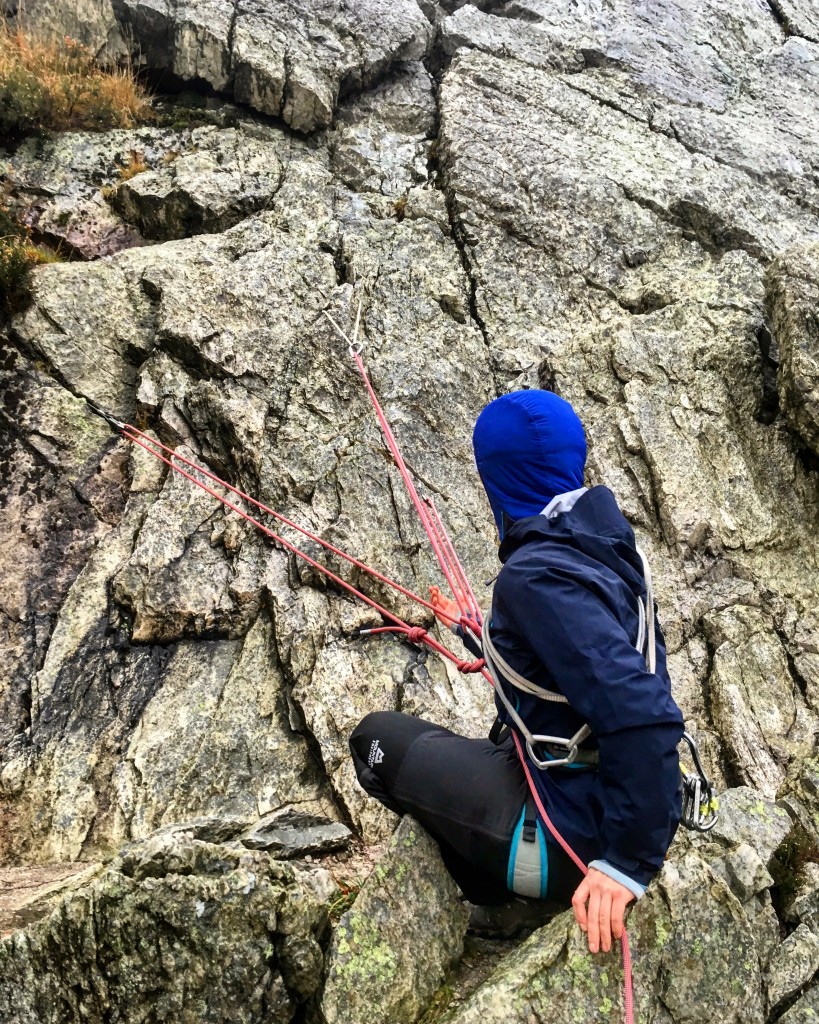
[[592, 661]]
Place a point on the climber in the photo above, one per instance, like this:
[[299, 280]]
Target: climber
[[565, 617]]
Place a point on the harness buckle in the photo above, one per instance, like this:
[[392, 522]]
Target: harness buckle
[[700, 806]]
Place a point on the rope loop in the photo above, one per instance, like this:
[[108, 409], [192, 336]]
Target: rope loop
[[416, 634]]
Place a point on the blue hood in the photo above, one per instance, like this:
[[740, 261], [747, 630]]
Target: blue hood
[[529, 446]]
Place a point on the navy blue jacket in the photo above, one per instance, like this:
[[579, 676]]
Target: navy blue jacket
[[564, 615]]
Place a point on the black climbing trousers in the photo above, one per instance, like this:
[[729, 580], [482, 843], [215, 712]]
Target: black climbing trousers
[[468, 794]]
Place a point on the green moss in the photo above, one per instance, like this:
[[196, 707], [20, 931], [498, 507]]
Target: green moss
[[662, 933], [438, 1005], [363, 956]]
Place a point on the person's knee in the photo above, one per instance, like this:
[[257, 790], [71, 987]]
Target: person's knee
[[364, 743], [365, 732]]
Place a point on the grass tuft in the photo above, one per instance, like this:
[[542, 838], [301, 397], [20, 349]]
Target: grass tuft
[[18, 256], [136, 165], [58, 86]]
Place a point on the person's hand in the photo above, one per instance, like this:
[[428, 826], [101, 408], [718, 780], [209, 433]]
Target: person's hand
[[446, 610], [599, 905]]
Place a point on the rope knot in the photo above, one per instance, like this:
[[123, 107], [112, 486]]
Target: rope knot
[[416, 634], [470, 666]]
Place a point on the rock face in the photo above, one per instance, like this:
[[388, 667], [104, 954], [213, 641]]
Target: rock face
[[793, 296], [211, 933], [617, 202]]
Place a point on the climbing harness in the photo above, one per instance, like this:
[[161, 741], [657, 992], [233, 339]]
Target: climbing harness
[[700, 806], [560, 752], [528, 870]]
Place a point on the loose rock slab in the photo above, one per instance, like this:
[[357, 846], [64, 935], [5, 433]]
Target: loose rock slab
[[289, 833]]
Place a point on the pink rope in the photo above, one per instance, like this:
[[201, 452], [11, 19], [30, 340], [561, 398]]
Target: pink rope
[[283, 519], [454, 561], [416, 634], [395, 451]]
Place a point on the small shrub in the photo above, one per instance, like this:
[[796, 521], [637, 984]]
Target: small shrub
[[58, 86], [18, 256], [343, 899]]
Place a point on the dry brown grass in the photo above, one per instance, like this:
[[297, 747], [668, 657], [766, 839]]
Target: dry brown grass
[[57, 85], [136, 165]]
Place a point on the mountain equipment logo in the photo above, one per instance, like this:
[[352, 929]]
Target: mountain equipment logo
[[376, 754]]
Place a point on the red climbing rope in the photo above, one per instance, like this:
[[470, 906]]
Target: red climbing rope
[[415, 634], [172, 453]]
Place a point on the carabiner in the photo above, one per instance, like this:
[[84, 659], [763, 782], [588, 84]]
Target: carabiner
[[700, 807]]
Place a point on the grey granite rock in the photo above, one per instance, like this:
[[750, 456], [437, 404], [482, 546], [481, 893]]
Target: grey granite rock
[[218, 179], [747, 817], [212, 934], [391, 950], [291, 60], [618, 202], [553, 974], [793, 296], [792, 966], [799, 17], [805, 1010], [90, 22]]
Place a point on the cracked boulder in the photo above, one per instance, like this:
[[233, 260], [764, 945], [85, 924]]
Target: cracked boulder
[[793, 966], [758, 708], [381, 142], [793, 298], [176, 928], [59, 185], [392, 949], [222, 177], [290, 60]]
